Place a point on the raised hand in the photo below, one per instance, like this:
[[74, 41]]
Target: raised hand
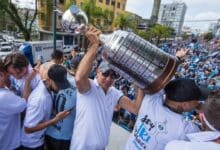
[[182, 52], [92, 34], [60, 116]]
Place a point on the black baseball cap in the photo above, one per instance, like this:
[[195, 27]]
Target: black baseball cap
[[183, 90]]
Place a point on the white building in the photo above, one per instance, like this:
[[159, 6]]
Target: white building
[[215, 28], [172, 15]]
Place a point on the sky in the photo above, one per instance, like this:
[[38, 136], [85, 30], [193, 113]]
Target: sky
[[196, 10]]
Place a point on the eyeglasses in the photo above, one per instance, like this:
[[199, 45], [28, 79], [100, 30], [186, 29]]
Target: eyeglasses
[[110, 73]]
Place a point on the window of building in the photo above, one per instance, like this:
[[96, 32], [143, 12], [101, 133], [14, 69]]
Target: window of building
[[100, 1], [118, 5], [107, 2], [61, 1], [113, 3]]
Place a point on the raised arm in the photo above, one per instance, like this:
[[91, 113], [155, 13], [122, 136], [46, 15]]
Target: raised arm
[[85, 66], [132, 106]]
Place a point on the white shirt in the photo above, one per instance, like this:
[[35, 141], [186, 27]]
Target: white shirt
[[156, 125], [198, 141], [11, 106], [94, 111], [39, 109], [184, 145]]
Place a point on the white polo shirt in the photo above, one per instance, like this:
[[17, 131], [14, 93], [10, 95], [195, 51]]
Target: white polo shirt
[[156, 125], [94, 111], [11, 106], [39, 109]]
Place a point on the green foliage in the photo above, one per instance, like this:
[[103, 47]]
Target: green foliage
[[144, 34], [24, 23], [185, 36], [68, 3], [102, 19], [124, 21], [160, 32], [208, 36]]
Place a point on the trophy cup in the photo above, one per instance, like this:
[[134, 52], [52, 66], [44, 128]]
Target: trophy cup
[[130, 56]]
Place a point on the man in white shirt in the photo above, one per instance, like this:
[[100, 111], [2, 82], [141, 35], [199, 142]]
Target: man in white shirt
[[208, 139], [11, 106], [96, 100], [38, 113], [160, 118]]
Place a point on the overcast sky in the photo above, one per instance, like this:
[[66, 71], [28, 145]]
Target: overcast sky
[[196, 10]]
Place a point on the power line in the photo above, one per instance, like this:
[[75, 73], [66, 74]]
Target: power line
[[205, 20]]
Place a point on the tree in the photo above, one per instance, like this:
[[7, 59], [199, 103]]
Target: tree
[[144, 34], [125, 21], [185, 36], [208, 36], [2, 20], [25, 22], [160, 32], [108, 17]]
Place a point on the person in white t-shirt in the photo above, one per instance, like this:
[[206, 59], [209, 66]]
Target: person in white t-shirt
[[38, 115], [208, 139], [96, 100], [11, 106], [19, 68], [160, 118]]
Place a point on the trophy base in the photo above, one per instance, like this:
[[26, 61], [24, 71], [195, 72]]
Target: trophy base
[[164, 78]]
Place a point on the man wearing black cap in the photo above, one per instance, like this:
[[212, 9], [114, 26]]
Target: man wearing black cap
[[58, 135], [160, 118], [208, 139], [96, 100]]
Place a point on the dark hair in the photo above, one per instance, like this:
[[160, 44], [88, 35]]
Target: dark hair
[[182, 90], [58, 74], [17, 60], [75, 61], [57, 54], [212, 109]]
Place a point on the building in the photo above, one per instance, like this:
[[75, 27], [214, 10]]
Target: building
[[172, 15], [215, 28], [117, 6], [45, 17], [155, 11]]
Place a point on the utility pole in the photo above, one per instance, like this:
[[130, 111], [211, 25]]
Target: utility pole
[[54, 23]]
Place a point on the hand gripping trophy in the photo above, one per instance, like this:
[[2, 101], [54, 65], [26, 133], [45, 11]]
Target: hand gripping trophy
[[129, 55]]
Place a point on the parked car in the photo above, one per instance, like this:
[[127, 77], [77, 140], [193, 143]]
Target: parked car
[[6, 46]]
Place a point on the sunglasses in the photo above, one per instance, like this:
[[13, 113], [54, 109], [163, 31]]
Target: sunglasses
[[110, 73]]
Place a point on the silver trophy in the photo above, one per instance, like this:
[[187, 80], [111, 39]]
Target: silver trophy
[[135, 59], [74, 19]]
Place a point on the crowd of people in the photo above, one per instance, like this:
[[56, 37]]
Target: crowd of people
[[70, 104], [200, 64]]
